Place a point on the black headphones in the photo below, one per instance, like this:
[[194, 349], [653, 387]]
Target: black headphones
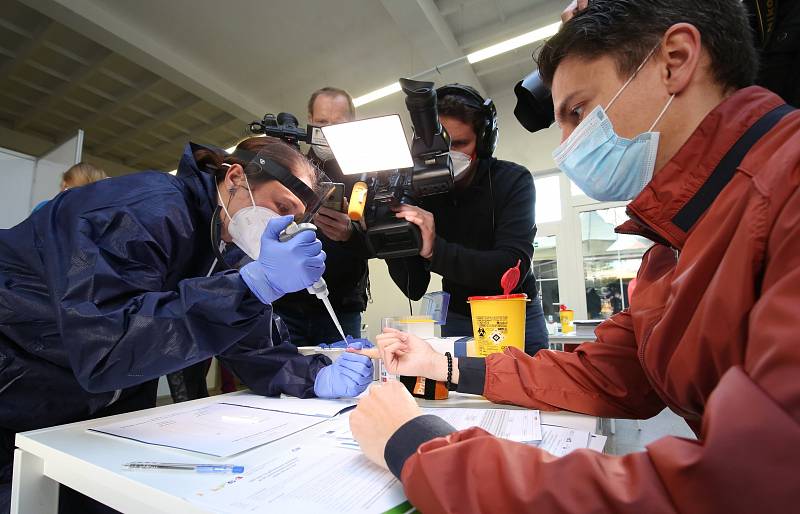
[[487, 134]]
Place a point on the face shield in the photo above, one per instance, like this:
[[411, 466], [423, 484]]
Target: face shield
[[311, 189], [307, 193]]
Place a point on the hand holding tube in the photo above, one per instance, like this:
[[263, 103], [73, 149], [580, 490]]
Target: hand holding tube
[[284, 267]]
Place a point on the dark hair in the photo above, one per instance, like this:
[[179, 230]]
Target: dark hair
[[460, 108], [332, 91], [278, 151], [627, 30]]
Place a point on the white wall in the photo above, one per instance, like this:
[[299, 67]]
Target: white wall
[[534, 151], [50, 167], [16, 175]]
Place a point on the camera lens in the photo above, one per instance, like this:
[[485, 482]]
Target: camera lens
[[287, 119]]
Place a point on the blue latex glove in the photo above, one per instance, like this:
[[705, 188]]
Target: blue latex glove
[[284, 267], [347, 377], [349, 342]]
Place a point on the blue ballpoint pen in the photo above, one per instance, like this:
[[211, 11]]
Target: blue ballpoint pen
[[181, 466]]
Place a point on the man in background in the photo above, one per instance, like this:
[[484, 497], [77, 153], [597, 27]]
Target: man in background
[[343, 241]]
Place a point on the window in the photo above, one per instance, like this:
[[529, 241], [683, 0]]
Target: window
[[546, 272], [610, 261], [548, 199]]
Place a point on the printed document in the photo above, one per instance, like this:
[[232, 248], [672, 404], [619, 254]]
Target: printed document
[[292, 405], [561, 440], [523, 426], [307, 478], [217, 429], [517, 425]]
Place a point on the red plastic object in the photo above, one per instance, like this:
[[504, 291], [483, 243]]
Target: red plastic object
[[498, 297], [510, 279]]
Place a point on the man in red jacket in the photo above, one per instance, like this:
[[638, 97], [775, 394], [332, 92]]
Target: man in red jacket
[[653, 100]]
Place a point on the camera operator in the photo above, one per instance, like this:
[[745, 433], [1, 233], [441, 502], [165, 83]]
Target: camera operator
[[343, 241], [485, 225]]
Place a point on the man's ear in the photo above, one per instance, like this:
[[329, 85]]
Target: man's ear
[[680, 55]]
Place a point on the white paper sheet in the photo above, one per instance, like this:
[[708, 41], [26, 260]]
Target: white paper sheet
[[561, 440], [308, 478], [217, 429], [307, 406], [516, 425], [597, 442]]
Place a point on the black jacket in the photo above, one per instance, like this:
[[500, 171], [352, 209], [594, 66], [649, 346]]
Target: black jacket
[[346, 271], [481, 231], [777, 36]]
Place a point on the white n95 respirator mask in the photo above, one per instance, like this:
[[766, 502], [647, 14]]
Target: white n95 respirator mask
[[461, 162], [247, 225]]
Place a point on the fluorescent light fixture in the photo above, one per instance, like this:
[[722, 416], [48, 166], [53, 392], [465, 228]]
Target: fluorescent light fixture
[[514, 43], [377, 94], [374, 144], [478, 56]]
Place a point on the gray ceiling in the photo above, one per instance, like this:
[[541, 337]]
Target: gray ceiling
[[143, 77]]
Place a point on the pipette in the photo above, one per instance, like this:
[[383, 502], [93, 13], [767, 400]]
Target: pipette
[[319, 288]]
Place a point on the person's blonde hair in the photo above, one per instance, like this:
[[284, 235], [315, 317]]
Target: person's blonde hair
[[81, 174]]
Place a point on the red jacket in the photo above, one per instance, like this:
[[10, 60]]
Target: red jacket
[[713, 333]]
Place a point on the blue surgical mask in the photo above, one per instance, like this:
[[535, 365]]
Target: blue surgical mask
[[604, 165]]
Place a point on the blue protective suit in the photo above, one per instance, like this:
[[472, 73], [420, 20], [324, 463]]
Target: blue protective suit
[[104, 288]]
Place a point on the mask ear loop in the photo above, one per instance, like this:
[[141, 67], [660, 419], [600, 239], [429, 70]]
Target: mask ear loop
[[649, 55], [249, 190], [221, 201], [663, 111]]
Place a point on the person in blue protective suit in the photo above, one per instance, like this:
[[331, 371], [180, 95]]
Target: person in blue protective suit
[[111, 285]]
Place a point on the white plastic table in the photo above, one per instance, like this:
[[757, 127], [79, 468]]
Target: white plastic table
[[91, 463]]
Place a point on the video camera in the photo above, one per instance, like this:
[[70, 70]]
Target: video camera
[[285, 127], [534, 109], [430, 174]]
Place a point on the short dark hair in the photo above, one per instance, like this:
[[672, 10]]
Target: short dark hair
[[461, 108], [627, 30], [332, 91]]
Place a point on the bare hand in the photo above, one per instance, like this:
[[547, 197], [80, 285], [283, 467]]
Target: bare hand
[[409, 355], [379, 414], [573, 8], [372, 353], [424, 220], [334, 224]]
